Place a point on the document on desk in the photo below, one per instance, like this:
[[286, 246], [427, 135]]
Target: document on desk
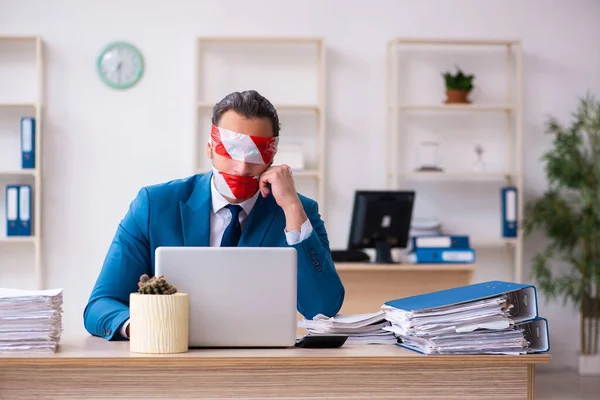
[[30, 321], [348, 321], [501, 342], [360, 328], [457, 329], [487, 318], [492, 314]]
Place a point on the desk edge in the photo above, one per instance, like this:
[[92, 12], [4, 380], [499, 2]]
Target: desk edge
[[308, 361]]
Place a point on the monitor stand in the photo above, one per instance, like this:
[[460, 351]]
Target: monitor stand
[[383, 253]]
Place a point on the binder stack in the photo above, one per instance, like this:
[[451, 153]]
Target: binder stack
[[425, 227], [18, 210], [30, 321], [360, 328], [442, 249], [492, 317]]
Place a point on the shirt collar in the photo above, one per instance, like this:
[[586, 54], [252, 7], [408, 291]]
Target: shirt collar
[[218, 201]]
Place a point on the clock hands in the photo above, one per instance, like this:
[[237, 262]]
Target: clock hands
[[120, 71]]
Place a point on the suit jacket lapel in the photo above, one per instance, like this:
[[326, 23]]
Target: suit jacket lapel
[[195, 214], [259, 221]]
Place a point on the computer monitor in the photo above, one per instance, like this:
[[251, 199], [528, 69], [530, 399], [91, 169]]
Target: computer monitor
[[381, 220]]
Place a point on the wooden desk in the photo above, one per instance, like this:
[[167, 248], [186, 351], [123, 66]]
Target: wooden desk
[[92, 368]]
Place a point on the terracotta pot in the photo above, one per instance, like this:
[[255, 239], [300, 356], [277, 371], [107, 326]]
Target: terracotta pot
[[159, 323], [457, 96]]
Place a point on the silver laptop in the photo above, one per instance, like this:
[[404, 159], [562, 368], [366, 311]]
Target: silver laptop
[[239, 296]]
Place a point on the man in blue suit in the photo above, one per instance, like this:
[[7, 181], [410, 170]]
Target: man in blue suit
[[243, 201]]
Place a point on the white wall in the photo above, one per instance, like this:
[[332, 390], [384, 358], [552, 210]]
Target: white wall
[[100, 145]]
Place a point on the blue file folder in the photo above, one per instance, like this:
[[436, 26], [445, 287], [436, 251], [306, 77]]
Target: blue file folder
[[523, 296], [12, 210], [28, 142], [536, 332], [524, 314], [24, 210], [444, 256], [441, 242], [509, 212]]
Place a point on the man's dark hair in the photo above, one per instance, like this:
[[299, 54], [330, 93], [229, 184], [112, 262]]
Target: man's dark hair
[[250, 104]]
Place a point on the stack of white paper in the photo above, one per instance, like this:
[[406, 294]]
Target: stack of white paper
[[30, 320], [425, 227], [478, 327], [360, 328]]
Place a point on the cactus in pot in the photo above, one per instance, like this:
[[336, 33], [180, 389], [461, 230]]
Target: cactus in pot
[[159, 317], [155, 285]]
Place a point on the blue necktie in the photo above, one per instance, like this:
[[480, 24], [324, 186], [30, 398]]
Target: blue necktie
[[232, 233]]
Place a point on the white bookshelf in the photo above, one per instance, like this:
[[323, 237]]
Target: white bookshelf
[[454, 107], [23, 172], [27, 81], [290, 72], [18, 105], [18, 239], [504, 106], [279, 107], [451, 176]]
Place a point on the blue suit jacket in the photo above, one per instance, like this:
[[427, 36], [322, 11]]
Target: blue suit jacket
[[177, 213]]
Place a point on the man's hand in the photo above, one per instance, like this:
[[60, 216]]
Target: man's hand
[[284, 191]]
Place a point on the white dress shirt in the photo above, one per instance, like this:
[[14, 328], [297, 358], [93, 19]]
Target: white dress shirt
[[220, 217]]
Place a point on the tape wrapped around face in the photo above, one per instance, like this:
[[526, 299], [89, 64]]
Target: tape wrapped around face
[[235, 186], [236, 146]]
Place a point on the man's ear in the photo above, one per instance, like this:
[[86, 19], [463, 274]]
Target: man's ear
[[209, 150]]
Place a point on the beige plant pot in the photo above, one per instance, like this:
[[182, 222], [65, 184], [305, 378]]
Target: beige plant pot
[[159, 323], [589, 364]]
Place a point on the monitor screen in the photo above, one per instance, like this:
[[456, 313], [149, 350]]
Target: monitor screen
[[381, 220]]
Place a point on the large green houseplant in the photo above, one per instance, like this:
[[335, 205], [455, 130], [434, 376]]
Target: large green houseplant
[[568, 213]]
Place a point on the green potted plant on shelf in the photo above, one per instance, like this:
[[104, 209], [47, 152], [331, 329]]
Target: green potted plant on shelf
[[159, 317], [568, 213], [458, 86]]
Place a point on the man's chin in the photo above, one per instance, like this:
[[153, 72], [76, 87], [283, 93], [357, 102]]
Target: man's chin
[[240, 200]]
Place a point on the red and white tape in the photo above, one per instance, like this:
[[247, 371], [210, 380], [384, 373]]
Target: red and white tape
[[235, 186], [240, 147]]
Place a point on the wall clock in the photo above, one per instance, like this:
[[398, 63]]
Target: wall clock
[[120, 65]]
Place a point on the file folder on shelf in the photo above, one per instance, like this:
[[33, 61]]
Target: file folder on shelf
[[441, 242], [444, 256], [28, 142], [509, 212], [24, 210], [12, 210]]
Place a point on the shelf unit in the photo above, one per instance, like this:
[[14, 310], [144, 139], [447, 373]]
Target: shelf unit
[[454, 107], [315, 109], [510, 106], [35, 240], [280, 107], [16, 105], [22, 172]]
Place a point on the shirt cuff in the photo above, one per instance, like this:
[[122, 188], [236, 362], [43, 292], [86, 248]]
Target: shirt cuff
[[295, 237], [124, 329]]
